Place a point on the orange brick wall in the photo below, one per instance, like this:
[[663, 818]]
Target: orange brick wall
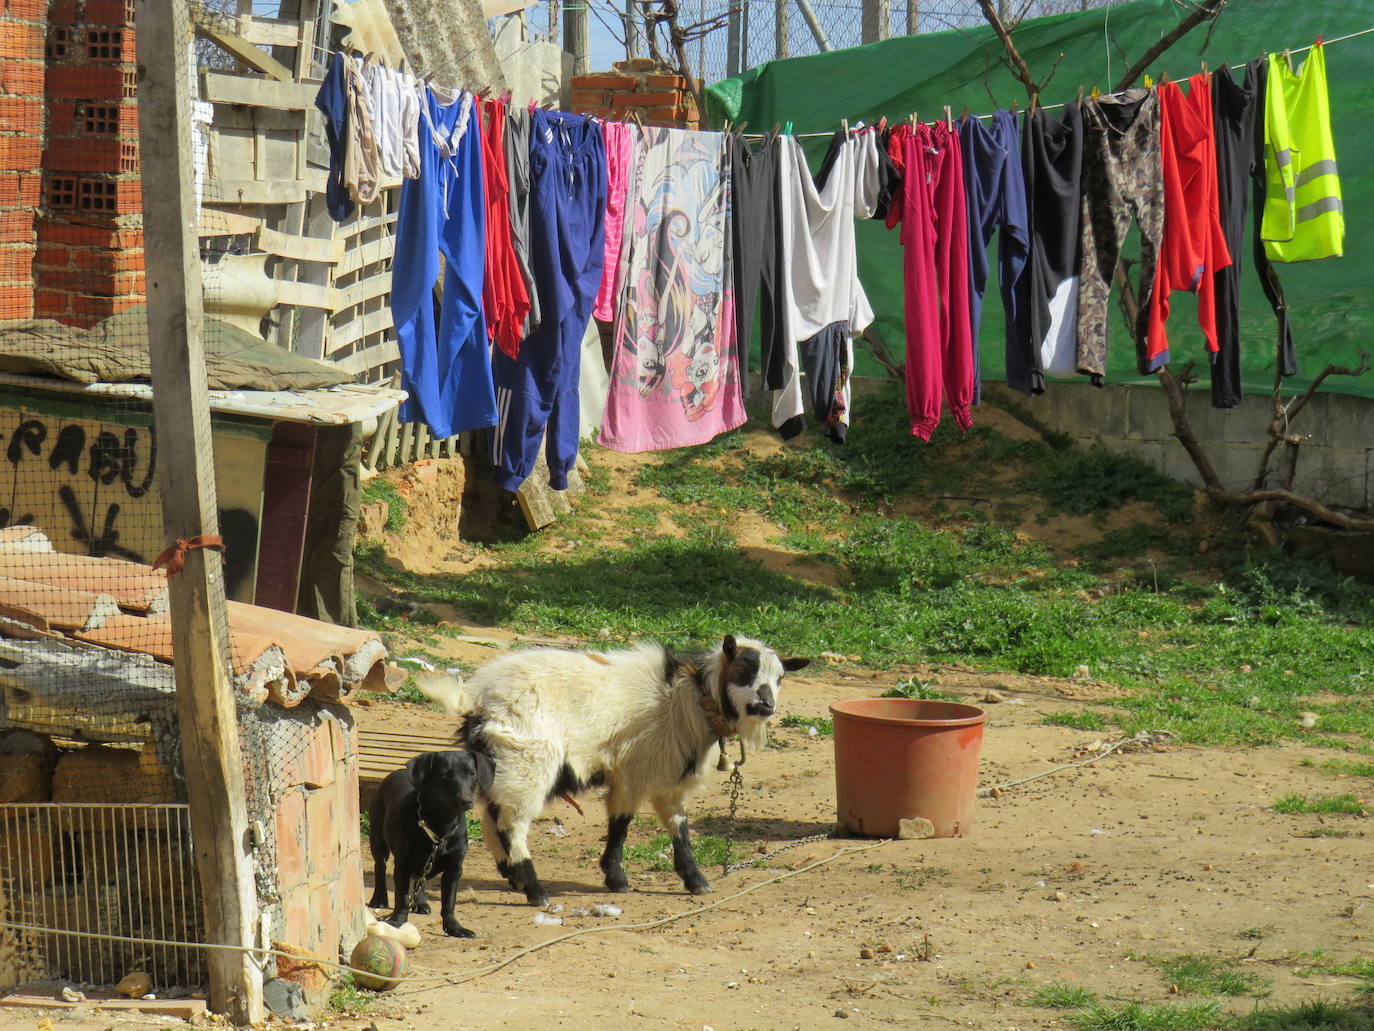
[[21, 149], [313, 762], [89, 261], [638, 86]]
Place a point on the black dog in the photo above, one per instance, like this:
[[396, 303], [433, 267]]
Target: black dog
[[419, 817]]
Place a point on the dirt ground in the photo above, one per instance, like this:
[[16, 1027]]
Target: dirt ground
[[1153, 851], [1161, 850]]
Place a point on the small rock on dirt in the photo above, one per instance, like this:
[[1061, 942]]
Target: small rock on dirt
[[914, 828], [865, 953], [285, 998], [993, 697], [1030, 964], [134, 985]]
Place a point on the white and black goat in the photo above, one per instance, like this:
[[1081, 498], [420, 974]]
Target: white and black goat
[[642, 723]]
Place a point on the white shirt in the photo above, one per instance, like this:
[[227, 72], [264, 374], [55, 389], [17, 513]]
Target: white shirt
[[820, 282]]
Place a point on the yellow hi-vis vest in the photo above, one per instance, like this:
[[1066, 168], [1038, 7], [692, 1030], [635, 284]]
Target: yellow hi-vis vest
[[1303, 220]]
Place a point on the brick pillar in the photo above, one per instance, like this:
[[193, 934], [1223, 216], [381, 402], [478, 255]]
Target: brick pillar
[[21, 149], [637, 86], [89, 262]]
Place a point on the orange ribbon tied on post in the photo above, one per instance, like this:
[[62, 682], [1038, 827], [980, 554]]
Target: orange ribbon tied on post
[[175, 556]]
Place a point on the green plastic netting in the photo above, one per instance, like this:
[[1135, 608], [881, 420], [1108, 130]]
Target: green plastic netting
[[1332, 302]]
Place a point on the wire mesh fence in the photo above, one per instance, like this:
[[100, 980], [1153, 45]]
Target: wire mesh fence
[[95, 837], [747, 33]]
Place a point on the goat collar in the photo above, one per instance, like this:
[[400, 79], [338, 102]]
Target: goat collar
[[716, 722]]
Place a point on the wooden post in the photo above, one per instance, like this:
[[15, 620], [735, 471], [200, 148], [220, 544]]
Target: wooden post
[[877, 20], [733, 32], [211, 759], [576, 36], [913, 17], [781, 42], [634, 29]]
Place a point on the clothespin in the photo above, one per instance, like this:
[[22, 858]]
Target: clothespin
[[844, 127], [777, 128], [949, 119], [1204, 69], [1096, 93], [787, 129], [1319, 40], [882, 123], [1149, 82], [1014, 106], [740, 128], [963, 115], [1080, 94]]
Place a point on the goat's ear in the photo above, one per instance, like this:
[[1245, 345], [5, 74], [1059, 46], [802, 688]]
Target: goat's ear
[[792, 665], [486, 773], [728, 647]]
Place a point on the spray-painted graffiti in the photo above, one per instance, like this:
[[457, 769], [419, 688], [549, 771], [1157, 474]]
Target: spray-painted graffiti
[[90, 486]]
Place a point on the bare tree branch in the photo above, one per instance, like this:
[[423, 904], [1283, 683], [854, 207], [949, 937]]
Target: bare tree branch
[[1018, 63], [877, 347], [1200, 13]]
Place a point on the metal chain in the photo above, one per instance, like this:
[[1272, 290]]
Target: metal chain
[[418, 889], [727, 867]]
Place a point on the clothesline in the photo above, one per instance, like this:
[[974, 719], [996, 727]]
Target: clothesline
[[1052, 107]]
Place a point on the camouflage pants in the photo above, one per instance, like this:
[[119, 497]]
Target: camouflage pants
[[1122, 177]]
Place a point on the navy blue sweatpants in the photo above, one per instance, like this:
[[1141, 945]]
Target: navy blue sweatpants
[[538, 389]]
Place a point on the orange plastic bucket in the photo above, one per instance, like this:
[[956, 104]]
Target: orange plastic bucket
[[905, 758]]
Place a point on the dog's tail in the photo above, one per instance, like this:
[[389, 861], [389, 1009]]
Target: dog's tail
[[446, 689]]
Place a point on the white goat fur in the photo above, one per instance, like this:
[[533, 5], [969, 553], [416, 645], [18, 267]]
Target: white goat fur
[[617, 717]]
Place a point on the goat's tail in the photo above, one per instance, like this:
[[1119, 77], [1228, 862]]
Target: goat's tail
[[446, 689]]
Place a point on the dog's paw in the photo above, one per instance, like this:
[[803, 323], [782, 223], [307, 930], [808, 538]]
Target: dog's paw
[[454, 929], [378, 900]]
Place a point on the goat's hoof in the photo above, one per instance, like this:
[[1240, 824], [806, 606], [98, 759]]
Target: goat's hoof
[[538, 901], [701, 887], [454, 929], [618, 885]]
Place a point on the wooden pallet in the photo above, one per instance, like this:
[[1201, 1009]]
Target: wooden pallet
[[382, 751]]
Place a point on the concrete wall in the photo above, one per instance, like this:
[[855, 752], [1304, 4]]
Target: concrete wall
[[1336, 463], [540, 72]]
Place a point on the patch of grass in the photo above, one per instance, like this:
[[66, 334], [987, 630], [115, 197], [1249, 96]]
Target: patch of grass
[[1314, 1015], [1095, 482], [657, 854], [410, 692], [1347, 768], [1085, 719], [1136, 1016], [912, 687], [383, 490], [474, 825], [823, 725], [1331, 805], [1325, 832], [1171, 632], [365, 824], [1060, 996], [1207, 975], [347, 999], [1252, 934]]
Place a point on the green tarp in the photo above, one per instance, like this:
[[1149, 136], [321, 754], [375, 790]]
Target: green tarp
[[1332, 302]]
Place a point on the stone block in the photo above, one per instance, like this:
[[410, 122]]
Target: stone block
[[291, 839], [298, 925], [317, 763], [286, 999], [321, 837]]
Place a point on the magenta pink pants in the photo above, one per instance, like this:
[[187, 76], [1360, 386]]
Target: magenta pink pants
[[939, 334]]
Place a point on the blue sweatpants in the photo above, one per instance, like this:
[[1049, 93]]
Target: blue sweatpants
[[446, 370], [537, 391], [995, 189]]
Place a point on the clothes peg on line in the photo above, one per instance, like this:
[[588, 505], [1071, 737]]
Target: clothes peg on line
[[787, 129], [844, 127], [949, 119], [963, 115], [1095, 93]]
